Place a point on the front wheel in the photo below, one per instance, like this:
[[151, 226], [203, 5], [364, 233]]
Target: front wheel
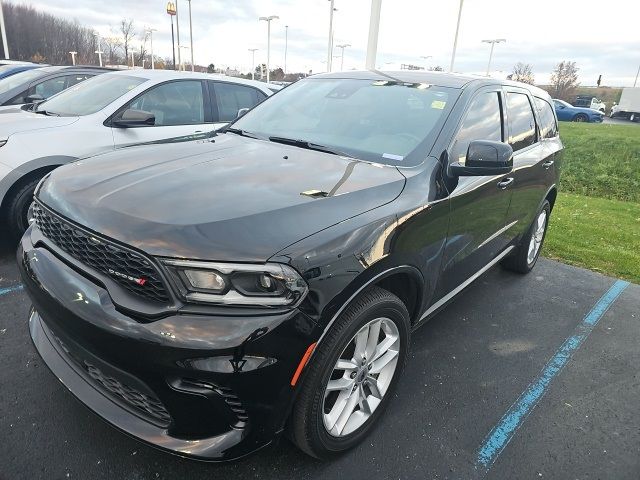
[[526, 254], [17, 207], [580, 118], [352, 375]]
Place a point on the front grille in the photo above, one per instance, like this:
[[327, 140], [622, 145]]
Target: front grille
[[144, 403], [148, 405], [127, 268]]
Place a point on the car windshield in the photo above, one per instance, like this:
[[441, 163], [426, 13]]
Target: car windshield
[[90, 96], [18, 79], [383, 121], [562, 102]]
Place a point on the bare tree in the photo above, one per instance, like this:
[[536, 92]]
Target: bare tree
[[143, 55], [522, 72], [564, 79], [114, 46], [128, 33]]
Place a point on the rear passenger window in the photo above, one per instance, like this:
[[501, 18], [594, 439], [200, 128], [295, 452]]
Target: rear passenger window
[[231, 97], [483, 121], [548, 126], [522, 124]]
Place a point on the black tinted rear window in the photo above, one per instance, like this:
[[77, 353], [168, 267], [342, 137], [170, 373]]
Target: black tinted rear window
[[548, 126], [522, 124]]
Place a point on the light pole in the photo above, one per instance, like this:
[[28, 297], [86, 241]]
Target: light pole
[[178, 36], [268, 20], [374, 27], [330, 45], [493, 43], [4, 34], [637, 74], [150, 32], [133, 61], [73, 57], [171, 10], [99, 51], [286, 44], [253, 62], [343, 46], [191, 38], [455, 39], [186, 48]]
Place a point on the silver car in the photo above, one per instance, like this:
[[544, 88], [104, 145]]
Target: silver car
[[110, 111]]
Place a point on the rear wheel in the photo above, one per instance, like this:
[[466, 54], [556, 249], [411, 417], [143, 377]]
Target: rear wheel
[[526, 254], [352, 375], [581, 117], [17, 207]]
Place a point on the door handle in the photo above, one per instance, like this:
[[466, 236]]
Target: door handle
[[502, 184], [546, 165]]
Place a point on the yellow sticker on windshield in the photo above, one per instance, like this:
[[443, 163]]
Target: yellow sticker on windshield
[[439, 104]]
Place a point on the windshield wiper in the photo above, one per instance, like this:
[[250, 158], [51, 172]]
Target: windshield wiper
[[240, 132], [47, 113], [310, 146]]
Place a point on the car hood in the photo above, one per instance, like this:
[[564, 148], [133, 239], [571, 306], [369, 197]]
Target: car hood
[[234, 199], [17, 121]]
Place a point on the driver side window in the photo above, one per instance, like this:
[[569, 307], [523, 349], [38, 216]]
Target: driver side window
[[173, 103], [483, 121]]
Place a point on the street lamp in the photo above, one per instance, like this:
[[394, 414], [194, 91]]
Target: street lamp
[[178, 35], [133, 61], [150, 32], [455, 39], [171, 10], [253, 62], [99, 51], [4, 33], [73, 57], [268, 20], [343, 46], [286, 44], [191, 37], [186, 48], [330, 46], [637, 74], [493, 43], [372, 41]]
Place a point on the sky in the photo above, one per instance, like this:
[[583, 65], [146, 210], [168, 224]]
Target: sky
[[602, 38]]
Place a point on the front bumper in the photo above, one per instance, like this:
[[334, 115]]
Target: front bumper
[[210, 387]]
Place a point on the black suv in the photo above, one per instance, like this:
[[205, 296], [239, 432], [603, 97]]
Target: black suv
[[207, 296]]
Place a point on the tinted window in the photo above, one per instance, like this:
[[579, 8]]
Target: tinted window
[[548, 128], [522, 124], [173, 103], [90, 96], [483, 121], [18, 79], [385, 121], [231, 97]]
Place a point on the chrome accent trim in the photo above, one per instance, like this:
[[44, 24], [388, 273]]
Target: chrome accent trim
[[464, 284], [499, 232]]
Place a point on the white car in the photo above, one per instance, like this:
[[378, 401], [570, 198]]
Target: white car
[[108, 112]]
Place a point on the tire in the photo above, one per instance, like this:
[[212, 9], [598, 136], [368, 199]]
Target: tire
[[520, 260], [307, 426], [581, 117], [16, 209]]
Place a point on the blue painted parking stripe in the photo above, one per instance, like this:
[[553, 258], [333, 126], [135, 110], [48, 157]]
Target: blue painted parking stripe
[[502, 433], [6, 290]]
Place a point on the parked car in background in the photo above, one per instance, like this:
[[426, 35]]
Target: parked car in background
[[207, 296], [568, 113], [110, 111], [629, 106], [38, 84], [589, 101], [8, 70]]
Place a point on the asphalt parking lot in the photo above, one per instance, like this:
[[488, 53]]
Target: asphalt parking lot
[[484, 395]]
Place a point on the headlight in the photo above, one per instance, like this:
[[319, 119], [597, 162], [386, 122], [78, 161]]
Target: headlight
[[31, 215], [270, 284]]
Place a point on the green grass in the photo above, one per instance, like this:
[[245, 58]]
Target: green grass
[[596, 233], [601, 160]]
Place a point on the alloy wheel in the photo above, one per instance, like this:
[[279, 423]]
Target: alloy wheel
[[361, 377], [537, 237]]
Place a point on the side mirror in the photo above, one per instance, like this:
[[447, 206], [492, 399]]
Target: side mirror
[[34, 98], [485, 157], [134, 118], [241, 112]]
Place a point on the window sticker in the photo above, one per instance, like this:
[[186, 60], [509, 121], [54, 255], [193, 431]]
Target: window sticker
[[438, 104], [392, 156]]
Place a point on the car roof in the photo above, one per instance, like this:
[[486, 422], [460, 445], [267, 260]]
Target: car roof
[[442, 79], [161, 75]]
